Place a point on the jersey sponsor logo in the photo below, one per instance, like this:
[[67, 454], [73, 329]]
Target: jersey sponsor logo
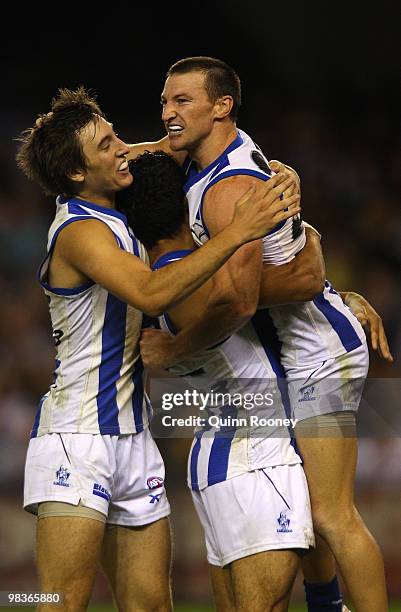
[[62, 476], [199, 233], [155, 498], [261, 162], [154, 482], [307, 394], [284, 523], [296, 226], [101, 491]]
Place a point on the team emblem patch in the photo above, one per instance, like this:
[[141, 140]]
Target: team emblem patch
[[284, 523], [62, 476], [307, 394]]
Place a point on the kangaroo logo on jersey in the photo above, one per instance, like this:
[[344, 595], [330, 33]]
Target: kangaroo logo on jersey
[[261, 162], [307, 394], [284, 523], [154, 482], [62, 476]]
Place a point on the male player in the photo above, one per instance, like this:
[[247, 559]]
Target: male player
[[91, 460], [248, 487], [320, 341]]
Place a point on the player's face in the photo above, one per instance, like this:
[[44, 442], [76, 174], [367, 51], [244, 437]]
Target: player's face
[[107, 167], [188, 114]]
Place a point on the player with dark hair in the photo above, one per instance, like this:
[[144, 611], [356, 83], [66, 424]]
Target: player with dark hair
[[257, 503], [93, 472], [318, 341]]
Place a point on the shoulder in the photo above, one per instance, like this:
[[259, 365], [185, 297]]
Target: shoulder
[[231, 186]]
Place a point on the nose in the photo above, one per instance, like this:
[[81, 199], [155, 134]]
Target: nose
[[168, 112], [122, 148]]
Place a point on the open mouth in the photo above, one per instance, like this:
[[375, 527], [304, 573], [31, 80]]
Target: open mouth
[[123, 166], [173, 130]]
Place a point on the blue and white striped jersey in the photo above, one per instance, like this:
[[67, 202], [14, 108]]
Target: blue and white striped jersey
[[240, 367], [308, 332], [98, 379]]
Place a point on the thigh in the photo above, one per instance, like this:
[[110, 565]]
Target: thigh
[[223, 593], [137, 561], [68, 552], [329, 463], [261, 582]]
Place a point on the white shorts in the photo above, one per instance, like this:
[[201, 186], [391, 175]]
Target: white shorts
[[267, 509], [120, 476], [330, 386]]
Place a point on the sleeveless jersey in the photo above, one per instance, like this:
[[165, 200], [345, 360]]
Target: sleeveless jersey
[[98, 380], [241, 365], [305, 333]]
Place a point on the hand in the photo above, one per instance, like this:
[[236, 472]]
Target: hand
[[369, 318], [278, 166], [260, 209], [157, 349]]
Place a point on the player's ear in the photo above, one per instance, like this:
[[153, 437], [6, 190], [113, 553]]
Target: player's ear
[[223, 106], [78, 176]]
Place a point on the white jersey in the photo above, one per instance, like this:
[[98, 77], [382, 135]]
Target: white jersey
[[230, 444], [98, 379], [303, 333]]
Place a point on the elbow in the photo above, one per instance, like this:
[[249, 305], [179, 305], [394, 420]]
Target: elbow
[[151, 305], [239, 308]]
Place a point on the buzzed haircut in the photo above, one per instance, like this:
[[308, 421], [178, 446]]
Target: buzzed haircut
[[154, 202], [220, 78], [51, 150]]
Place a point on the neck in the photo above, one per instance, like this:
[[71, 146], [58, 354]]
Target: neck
[[213, 145], [183, 240], [106, 200]]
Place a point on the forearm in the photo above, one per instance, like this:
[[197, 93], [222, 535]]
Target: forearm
[[166, 287], [300, 280], [213, 326]]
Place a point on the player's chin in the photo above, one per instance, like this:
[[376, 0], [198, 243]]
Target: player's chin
[[177, 143], [124, 180]]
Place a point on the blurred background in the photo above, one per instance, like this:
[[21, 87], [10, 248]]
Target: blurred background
[[321, 93]]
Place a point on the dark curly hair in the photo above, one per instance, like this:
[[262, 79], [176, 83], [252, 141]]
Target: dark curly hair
[[154, 202], [51, 150]]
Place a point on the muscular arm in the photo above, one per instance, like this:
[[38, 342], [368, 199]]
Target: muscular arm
[[89, 248], [299, 280], [234, 294], [156, 145]]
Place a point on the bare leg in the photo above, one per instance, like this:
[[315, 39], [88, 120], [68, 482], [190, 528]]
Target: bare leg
[[319, 565], [222, 588], [68, 551], [262, 582], [137, 561], [329, 465]]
